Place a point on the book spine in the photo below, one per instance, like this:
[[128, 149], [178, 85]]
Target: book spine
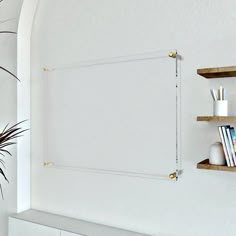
[[233, 136], [232, 152], [224, 146], [227, 146]]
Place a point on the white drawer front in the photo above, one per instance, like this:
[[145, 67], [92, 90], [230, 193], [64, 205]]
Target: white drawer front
[[63, 233], [24, 228]]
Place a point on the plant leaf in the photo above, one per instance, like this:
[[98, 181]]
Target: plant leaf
[[8, 134], [14, 125], [4, 150], [9, 72], [3, 21], [3, 174], [5, 128], [7, 32], [3, 163], [1, 191]]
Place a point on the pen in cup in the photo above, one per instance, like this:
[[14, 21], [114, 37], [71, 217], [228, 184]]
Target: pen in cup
[[219, 94], [213, 94]]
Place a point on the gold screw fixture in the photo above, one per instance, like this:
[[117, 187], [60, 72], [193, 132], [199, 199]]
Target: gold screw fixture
[[172, 175], [172, 54], [47, 164]]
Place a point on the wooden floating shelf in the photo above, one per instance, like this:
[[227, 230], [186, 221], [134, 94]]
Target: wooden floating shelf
[[217, 118], [206, 166], [218, 72]]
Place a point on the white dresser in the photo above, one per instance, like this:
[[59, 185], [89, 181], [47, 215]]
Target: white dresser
[[38, 223]]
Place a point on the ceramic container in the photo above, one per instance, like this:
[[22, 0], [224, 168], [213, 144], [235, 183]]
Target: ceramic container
[[220, 108], [217, 156]]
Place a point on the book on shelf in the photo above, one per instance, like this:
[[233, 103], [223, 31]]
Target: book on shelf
[[233, 136], [231, 145], [231, 160], [224, 146], [228, 139]]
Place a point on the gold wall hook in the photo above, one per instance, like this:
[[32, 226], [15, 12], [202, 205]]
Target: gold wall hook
[[46, 164], [172, 175], [172, 54]]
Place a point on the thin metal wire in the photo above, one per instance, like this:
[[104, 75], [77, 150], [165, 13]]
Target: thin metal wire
[[110, 172], [178, 118], [113, 60]]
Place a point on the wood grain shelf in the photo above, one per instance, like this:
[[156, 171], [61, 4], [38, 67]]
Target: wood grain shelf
[[217, 118], [217, 72], [206, 166]]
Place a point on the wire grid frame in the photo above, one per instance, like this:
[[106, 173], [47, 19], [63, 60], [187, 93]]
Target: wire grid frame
[[168, 55]]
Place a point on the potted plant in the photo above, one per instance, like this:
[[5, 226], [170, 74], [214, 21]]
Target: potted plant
[[8, 134], [7, 138]]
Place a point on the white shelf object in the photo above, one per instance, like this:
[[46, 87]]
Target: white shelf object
[[68, 234], [25, 228], [38, 223]]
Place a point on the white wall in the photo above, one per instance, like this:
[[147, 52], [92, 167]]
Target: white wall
[[201, 202], [8, 10]]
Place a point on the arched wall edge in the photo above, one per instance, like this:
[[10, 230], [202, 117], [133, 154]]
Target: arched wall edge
[[28, 11]]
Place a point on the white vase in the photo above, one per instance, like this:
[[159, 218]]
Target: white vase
[[217, 156]]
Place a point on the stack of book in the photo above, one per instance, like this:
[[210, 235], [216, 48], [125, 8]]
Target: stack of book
[[228, 139]]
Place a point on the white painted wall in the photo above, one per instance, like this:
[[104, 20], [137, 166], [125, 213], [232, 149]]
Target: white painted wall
[[202, 202], [8, 10]]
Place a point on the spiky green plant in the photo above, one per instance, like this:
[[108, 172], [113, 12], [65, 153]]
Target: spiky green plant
[[8, 134], [7, 138], [7, 32], [1, 67]]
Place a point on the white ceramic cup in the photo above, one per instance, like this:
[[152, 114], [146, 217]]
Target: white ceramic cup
[[220, 108]]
